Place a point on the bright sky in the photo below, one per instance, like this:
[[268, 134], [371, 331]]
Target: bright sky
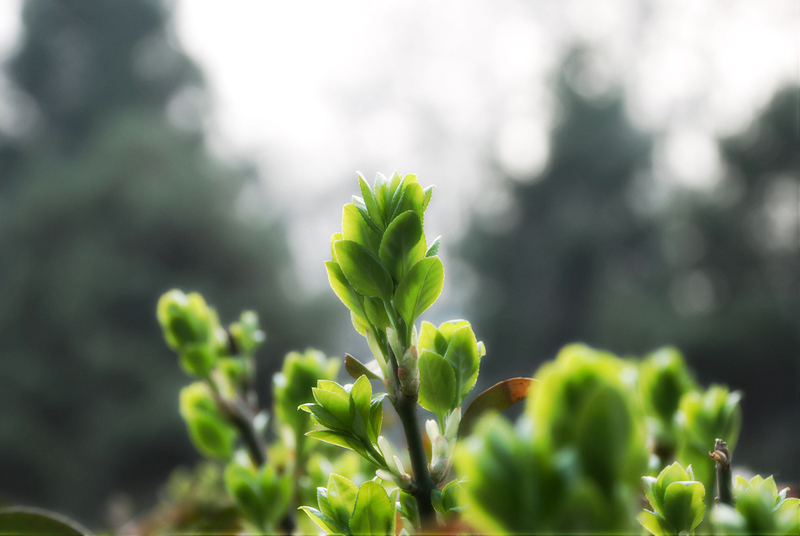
[[316, 90]]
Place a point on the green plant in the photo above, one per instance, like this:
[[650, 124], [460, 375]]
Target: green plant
[[387, 274], [222, 414], [760, 509], [677, 500], [598, 435]]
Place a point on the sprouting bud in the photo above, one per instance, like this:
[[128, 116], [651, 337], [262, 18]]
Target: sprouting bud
[[432, 429], [386, 448], [453, 424]]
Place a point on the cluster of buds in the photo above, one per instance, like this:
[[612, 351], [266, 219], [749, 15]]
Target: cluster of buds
[[395, 472], [407, 363], [442, 446]]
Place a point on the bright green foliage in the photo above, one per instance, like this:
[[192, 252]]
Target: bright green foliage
[[293, 384], [663, 380], [245, 333], [349, 416], [191, 328], [760, 510], [346, 509], [677, 502], [380, 270], [221, 411], [262, 495], [208, 429], [450, 349], [574, 460], [584, 402], [701, 419]]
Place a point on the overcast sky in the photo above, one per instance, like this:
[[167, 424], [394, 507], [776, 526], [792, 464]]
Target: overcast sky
[[315, 90]]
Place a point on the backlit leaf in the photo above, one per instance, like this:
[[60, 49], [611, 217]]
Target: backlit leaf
[[419, 289], [363, 271], [437, 389]]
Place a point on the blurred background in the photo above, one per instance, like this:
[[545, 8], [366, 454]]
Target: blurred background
[[623, 173]]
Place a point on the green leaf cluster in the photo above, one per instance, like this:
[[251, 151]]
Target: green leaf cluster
[[382, 269], [225, 422], [760, 509], [585, 403], [448, 366], [191, 328], [677, 500], [210, 432], [703, 417], [663, 380], [263, 494], [245, 334], [293, 384], [574, 460], [344, 508], [348, 416]]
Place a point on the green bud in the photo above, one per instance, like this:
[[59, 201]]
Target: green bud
[[760, 509], [186, 319], [677, 501], [197, 359], [294, 383], [663, 380], [246, 335]]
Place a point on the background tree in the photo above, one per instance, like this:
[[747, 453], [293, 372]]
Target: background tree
[[711, 272], [110, 200]]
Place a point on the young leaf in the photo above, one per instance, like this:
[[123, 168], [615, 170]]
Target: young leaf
[[356, 368], [323, 521], [357, 226], [211, 435], [403, 244], [413, 199], [683, 505], [363, 271], [342, 497], [434, 247], [498, 397], [437, 388], [336, 404], [335, 438], [419, 289], [344, 290], [335, 238], [361, 395], [374, 512], [427, 194], [376, 313], [375, 418], [370, 202], [463, 355], [654, 524]]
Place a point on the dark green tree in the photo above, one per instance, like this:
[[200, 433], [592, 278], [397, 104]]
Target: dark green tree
[[110, 201], [585, 263]]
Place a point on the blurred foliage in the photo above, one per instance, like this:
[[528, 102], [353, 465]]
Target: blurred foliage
[[109, 200], [598, 255]]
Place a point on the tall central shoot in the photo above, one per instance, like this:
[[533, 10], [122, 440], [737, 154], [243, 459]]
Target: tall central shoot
[[387, 273]]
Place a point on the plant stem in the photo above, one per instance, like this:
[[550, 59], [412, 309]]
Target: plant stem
[[407, 411], [722, 456], [406, 408], [242, 418]]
